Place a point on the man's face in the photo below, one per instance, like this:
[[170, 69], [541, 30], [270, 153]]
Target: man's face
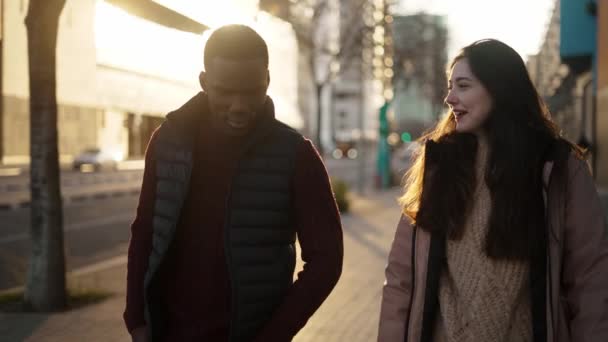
[[236, 92]]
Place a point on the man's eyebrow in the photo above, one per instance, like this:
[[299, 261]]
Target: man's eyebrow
[[462, 78], [223, 88]]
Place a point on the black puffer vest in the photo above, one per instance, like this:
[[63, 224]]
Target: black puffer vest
[[260, 234]]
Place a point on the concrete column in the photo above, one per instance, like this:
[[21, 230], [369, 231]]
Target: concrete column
[[602, 94]]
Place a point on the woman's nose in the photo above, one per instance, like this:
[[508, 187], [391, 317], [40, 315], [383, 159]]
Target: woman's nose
[[450, 99]]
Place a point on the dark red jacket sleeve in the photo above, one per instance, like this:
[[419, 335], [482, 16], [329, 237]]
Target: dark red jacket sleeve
[[140, 244], [320, 237]]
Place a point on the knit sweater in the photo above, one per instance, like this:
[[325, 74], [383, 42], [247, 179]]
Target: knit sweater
[[481, 299]]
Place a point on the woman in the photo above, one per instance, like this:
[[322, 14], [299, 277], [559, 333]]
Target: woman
[[502, 236]]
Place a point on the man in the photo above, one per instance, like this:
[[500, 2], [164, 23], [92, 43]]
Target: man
[[226, 190]]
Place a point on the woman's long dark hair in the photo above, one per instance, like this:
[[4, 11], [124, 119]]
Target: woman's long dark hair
[[520, 133]]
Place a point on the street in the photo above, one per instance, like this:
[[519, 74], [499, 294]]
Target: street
[[95, 230], [349, 314], [97, 233], [84, 86], [98, 210], [75, 186], [96, 224]]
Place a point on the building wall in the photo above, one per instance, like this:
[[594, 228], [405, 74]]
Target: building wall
[[420, 62], [311, 63], [578, 48], [602, 94], [283, 67], [602, 137], [546, 72], [113, 134], [76, 92], [412, 110], [133, 92], [14, 70], [559, 85], [306, 91], [578, 29], [75, 52], [146, 48], [602, 44], [78, 126], [107, 75], [358, 91], [345, 114], [374, 91], [78, 129], [532, 66], [348, 103], [104, 72]]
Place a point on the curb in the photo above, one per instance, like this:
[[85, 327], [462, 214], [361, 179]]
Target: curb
[[76, 198], [82, 271]]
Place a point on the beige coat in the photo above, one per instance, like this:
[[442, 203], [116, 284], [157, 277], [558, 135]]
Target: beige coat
[[577, 274]]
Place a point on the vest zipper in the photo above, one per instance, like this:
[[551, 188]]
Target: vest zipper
[[413, 258], [549, 232], [228, 254]]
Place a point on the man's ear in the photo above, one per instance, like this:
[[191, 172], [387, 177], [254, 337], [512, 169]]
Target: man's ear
[[202, 79], [267, 79]]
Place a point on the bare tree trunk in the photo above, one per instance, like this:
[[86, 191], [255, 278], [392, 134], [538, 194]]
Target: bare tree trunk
[[319, 94], [1, 79], [46, 285], [307, 18]]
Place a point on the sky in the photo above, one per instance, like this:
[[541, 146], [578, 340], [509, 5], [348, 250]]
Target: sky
[[522, 24], [214, 13], [519, 23]]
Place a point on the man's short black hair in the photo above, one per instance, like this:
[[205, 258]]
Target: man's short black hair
[[236, 42]]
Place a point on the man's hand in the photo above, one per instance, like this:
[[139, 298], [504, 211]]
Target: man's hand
[[140, 334]]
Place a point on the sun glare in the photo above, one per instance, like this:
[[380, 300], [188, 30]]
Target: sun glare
[[129, 42], [215, 13]]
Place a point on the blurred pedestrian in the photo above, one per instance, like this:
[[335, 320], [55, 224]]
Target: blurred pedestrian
[[502, 236], [226, 190]]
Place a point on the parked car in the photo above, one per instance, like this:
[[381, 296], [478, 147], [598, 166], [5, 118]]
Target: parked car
[[96, 159], [345, 150]]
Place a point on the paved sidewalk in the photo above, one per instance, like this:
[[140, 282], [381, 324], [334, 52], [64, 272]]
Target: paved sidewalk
[[349, 314], [94, 323], [604, 198], [351, 311]]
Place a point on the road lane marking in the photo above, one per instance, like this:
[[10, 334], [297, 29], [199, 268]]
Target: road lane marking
[[100, 266], [10, 172], [84, 225], [82, 271]]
